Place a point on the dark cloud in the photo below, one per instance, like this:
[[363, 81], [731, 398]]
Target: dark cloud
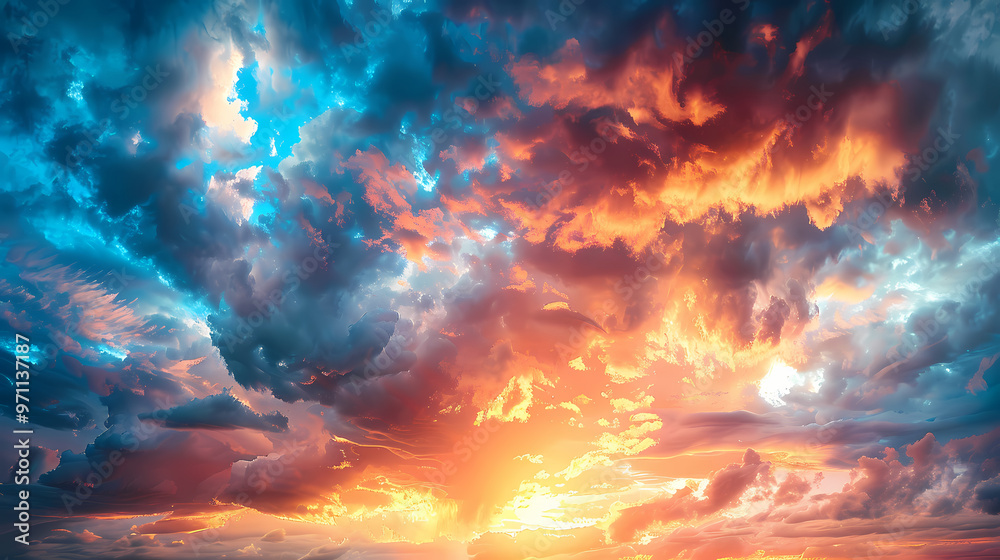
[[223, 411]]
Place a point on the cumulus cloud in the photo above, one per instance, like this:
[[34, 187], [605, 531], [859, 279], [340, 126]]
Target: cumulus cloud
[[222, 412], [724, 488]]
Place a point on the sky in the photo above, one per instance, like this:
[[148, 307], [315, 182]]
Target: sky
[[502, 279]]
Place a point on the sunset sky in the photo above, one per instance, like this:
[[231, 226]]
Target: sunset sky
[[502, 279]]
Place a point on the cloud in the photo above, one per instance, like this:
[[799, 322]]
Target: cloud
[[218, 412], [65, 536], [741, 252], [724, 487], [277, 535]]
